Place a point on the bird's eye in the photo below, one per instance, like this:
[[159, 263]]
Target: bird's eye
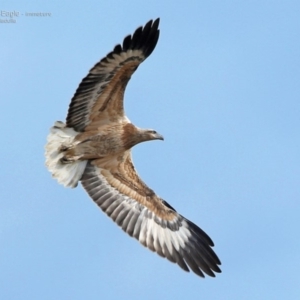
[[153, 131]]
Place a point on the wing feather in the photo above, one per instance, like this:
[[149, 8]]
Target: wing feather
[[99, 98], [154, 223]]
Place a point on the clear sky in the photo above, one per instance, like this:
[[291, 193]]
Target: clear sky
[[222, 86]]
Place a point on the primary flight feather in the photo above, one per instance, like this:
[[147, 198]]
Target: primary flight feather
[[94, 147]]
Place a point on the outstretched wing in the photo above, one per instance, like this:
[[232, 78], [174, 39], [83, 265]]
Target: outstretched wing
[[99, 98], [122, 195]]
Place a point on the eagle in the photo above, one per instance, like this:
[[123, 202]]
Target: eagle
[[94, 146]]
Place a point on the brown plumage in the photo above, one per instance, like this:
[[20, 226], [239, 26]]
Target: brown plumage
[[94, 147]]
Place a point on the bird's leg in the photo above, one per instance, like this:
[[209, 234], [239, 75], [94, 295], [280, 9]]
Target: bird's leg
[[63, 148]]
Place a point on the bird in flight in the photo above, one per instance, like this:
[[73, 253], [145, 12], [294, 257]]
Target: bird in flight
[[94, 146]]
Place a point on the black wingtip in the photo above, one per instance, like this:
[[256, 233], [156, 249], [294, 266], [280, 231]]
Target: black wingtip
[[144, 38], [151, 33]]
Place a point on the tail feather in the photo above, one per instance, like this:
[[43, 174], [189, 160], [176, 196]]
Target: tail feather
[[60, 138]]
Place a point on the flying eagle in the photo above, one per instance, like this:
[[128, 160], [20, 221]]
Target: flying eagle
[[94, 147]]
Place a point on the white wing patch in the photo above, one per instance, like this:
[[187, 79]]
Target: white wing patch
[[94, 84], [91, 93], [179, 240]]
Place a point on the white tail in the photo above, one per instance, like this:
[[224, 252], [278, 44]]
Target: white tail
[[67, 174]]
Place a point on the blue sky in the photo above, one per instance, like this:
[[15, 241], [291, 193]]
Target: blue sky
[[222, 86]]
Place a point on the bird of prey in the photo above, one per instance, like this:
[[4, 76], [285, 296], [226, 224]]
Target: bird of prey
[[94, 146]]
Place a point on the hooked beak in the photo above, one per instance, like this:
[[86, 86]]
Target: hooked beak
[[159, 137]]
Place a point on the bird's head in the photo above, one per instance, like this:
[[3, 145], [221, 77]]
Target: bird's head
[[133, 135], [150, 134]]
